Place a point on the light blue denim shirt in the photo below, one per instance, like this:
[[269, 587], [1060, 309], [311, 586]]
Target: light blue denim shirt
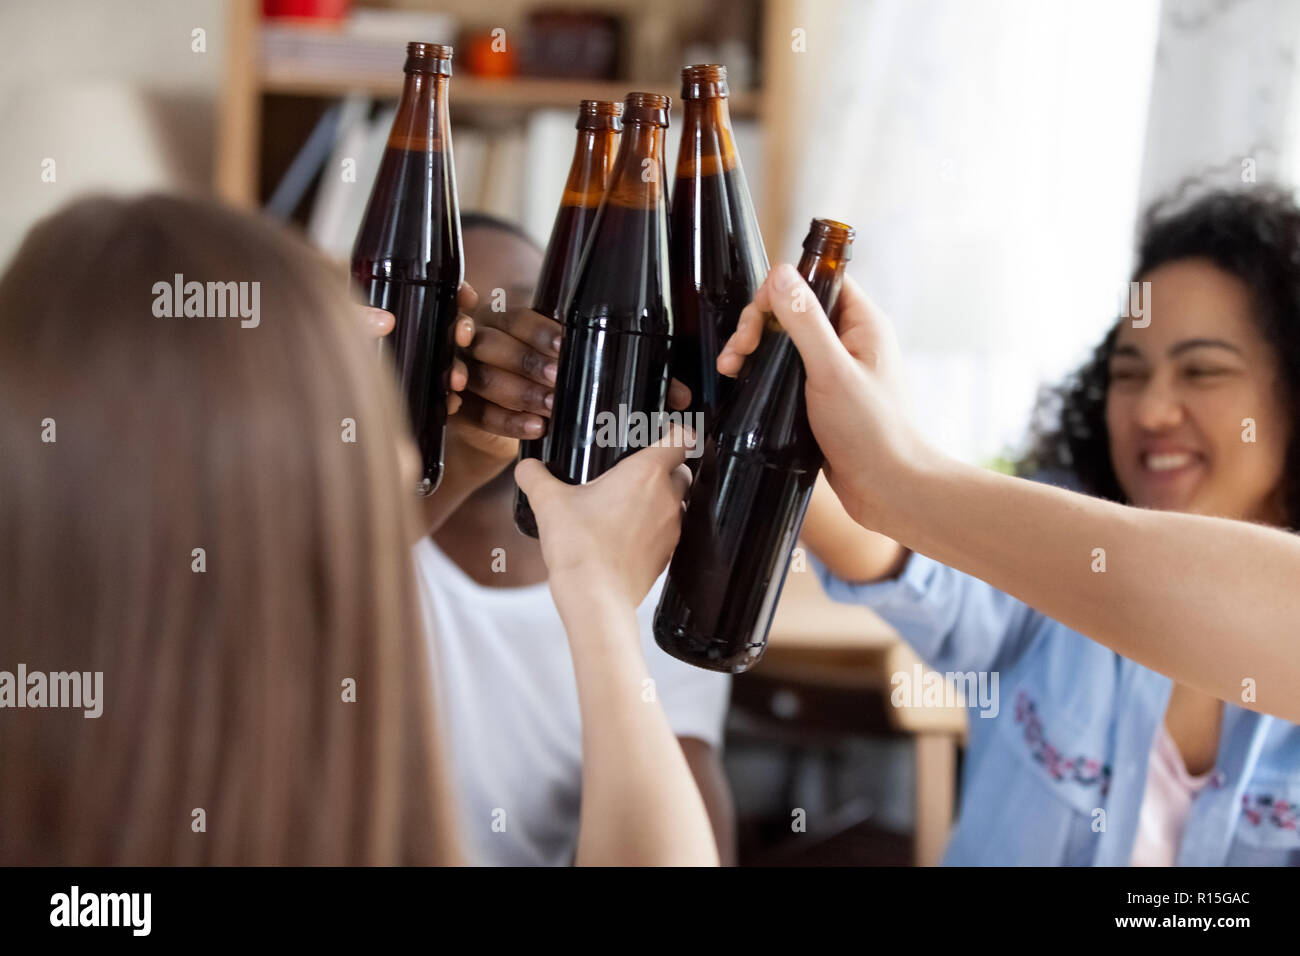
[[1073, 735]]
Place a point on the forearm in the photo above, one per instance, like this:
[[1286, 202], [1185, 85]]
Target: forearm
[[715, 790], [640, 805], [1207, 601], [849, 551]]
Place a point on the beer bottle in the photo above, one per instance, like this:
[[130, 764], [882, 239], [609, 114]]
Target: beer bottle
[[407, 258], [715, 250], [598, 125], [747, 503], [613, 370]]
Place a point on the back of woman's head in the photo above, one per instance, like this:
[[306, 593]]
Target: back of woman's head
[[205, 509], [1252, 234]]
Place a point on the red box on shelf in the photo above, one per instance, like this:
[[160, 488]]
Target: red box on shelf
[[324, 10]]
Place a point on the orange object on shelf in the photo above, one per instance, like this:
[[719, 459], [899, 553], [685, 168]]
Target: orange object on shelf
[[488, 53]]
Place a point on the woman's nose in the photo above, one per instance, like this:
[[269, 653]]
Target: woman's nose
[[1159, 406]]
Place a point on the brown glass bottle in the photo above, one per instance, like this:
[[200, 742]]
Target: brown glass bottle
[[717, 255], [408, 259], [599, 123], [618, 324], [749, 497]]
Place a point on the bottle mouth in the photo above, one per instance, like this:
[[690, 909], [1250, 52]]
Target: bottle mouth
[[432, 58], [600, 114], [704, 79], [601, 107], [648, 108], [829, 235]]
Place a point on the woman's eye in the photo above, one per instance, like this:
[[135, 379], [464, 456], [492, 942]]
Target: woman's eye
[[1202, 371], [1125, 375]]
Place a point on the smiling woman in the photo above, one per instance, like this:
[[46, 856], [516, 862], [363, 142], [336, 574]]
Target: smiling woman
[[1195, 416], [1186, 406], [1191, 407]]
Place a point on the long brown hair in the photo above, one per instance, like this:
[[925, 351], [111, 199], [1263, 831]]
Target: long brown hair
[[225, 671]]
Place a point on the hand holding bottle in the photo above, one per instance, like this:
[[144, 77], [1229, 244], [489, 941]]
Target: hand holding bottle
[[854, 389], [378, 323], [616, 532], [1026, 538], [503, 385]]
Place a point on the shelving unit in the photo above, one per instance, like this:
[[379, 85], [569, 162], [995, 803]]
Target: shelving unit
[[248, 80], [474, 91]]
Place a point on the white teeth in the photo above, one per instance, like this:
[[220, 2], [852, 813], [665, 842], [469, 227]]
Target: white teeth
[[1168, 461]]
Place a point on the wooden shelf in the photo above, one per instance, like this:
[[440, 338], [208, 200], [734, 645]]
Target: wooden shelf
[[249, 77], [518, 93]]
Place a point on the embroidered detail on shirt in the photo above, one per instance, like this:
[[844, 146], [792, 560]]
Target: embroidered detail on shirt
[[1081, 769], [1261, 807]]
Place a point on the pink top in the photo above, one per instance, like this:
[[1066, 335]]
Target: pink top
[[1166, 804]]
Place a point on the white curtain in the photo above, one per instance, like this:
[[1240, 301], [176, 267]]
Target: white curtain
[[989, 154], [1224, 102]]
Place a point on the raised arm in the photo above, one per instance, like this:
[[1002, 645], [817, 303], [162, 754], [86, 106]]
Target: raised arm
[[849, 551], [1212, 603], [604, 544]]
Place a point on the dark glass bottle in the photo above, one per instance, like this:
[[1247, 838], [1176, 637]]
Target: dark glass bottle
[[408, 258], [599, 123], [748, 500], [613, 369], [717, 255]]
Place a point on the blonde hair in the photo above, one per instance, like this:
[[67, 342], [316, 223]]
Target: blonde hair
[[223, 688]]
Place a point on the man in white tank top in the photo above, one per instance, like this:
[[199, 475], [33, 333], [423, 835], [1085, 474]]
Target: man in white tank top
[[505, 677]]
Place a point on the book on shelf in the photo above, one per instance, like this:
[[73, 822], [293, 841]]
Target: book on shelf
[[371, 43]]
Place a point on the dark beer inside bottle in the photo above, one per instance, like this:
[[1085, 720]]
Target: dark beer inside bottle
[[747, 504], [407, 257], [716, 250], [599, 123], [613, 369]]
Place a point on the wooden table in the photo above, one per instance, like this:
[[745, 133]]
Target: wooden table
[[818, 641]]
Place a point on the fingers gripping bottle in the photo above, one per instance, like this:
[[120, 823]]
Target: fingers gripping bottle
[[755, 478]]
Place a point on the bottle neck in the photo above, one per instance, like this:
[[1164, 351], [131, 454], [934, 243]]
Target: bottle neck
[[821, 268], [708, 144], [637, 181], [593, 161], [422, 123], [824, 273]]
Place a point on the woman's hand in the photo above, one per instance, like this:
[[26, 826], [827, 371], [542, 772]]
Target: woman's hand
[[617, 531], [854, 390], [604, 544]]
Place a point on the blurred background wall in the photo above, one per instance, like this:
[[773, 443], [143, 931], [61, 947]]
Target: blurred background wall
[[112, 92], [992, 155]]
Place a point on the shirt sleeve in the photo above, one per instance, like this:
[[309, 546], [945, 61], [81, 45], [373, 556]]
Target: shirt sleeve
[[955, 622], [694, 699]]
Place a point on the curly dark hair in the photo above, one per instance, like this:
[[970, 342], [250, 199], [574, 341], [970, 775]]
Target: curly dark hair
[[1252, 234]]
